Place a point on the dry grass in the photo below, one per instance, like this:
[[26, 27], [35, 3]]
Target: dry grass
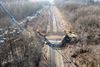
[[21, 50], [28, 50], [86, 11], [88, 29], [85, 20]]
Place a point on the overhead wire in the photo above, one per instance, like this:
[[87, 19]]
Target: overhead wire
[[16, 23]]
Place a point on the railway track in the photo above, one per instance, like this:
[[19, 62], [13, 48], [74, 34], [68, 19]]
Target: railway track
[[54, 37]]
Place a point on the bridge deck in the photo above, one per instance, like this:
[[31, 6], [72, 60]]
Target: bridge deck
[[56, 33], [55, 36]]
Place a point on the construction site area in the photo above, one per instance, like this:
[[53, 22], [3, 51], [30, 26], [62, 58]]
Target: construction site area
[[49, 33]]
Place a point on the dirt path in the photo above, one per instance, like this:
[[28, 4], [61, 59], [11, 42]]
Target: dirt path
[[61, 23], [55, 59], [55, 33]]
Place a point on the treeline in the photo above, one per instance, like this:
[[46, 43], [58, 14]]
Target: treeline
[[84, 19], [23, 49], [20, 10]]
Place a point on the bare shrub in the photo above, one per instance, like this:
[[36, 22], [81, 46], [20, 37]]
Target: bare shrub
[[86, 23], [88, 29], [85, 11], [19, 9], [70, 10], [20, 50], [71, 7], [5, 24]]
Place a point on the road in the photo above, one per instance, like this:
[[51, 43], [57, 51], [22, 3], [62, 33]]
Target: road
[[54, 27]]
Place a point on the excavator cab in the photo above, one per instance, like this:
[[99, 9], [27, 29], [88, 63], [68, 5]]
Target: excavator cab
[[65, 40]]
